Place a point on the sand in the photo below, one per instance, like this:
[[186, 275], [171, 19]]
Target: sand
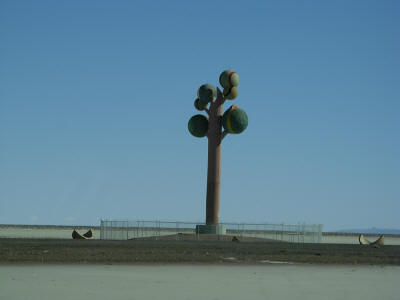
[[43, 232], [41, 269], [64, 232], [52, 251], [270, 281]]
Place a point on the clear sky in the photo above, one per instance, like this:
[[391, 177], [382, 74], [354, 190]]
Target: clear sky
[[95, 97]]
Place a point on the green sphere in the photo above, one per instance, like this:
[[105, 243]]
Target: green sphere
[[199, 105], [235, 120], [228, 79], [231, 93], [198, 126], [206, 93]]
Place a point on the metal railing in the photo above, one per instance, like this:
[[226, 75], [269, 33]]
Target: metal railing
[[126, 230]]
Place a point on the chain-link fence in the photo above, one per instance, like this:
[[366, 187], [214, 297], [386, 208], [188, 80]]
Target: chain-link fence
[[126, 230]]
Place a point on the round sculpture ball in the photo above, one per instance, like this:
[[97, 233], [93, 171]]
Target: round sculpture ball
[[228, 79], [198, 126], [206, 93], [231, 93], [199, 105], [235, 120]]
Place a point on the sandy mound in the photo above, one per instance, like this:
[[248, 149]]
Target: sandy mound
[[205, 237]]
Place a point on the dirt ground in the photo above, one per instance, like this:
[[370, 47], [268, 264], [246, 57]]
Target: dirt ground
[[186, 249]]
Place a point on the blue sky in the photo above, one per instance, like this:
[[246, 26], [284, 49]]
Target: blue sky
[[95, 97]]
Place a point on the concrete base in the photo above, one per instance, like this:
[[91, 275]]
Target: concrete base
[[211, 229]]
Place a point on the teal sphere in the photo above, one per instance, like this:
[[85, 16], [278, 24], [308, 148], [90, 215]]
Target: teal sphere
[[200, 105], [228, 79], [235, 120], [206, 93], [198, 126]]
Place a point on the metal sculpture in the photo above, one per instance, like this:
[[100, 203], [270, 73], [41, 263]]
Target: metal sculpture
[[379, 242], [215, 127], [76, 235]]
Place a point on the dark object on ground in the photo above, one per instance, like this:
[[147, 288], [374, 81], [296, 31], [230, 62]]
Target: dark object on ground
[[88, 234], [379, 242], [235, 239], [65, 251], [77, 236]]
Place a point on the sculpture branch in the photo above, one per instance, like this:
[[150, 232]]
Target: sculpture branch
[[220, 97]]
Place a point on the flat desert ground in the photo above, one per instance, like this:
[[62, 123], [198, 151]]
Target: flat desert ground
[[270, 281], [51, 268]]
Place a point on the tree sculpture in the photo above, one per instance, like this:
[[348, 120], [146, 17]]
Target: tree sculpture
[[233, 120]]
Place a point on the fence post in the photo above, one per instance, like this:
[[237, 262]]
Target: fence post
[[101, 229], [320, 233]]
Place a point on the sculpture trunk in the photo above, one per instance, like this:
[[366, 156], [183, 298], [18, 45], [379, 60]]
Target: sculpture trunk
[[214, 161]]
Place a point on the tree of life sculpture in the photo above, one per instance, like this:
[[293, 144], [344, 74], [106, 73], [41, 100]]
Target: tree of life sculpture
[[215, 126]]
